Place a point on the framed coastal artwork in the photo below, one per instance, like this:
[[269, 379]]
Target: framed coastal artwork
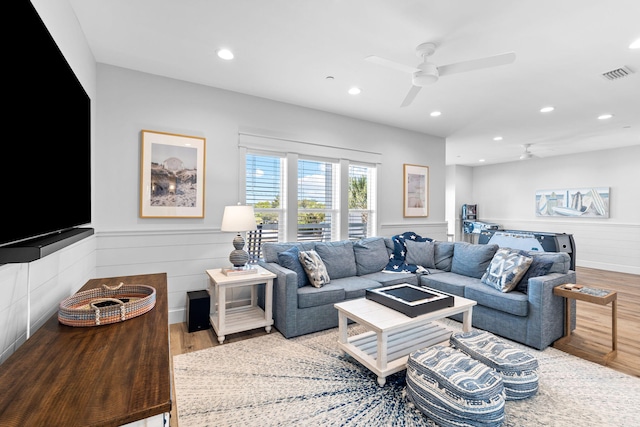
[[587, 202], [171, 175], [416, 191]]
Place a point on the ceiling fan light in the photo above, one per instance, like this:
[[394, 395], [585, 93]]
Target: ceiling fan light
[[426, 75]]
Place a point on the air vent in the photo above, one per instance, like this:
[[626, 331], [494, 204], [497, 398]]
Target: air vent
[[617, 73]]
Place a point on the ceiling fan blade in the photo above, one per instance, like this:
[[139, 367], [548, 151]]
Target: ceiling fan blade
[[477, 64], [390, 64], [410, 96]]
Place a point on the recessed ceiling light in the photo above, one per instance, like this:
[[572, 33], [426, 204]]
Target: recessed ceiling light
[[354, 91], [605, 116], [329, 78], [635, 44], [546, 109], [435, 113], [497, 138], [481, 160], [225, 54]]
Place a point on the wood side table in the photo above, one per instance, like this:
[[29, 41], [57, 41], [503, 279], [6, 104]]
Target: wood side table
[[591, 295], [237, 319]]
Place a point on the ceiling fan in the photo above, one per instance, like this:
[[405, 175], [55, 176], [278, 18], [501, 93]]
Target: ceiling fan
[[427, 73], [526, 154]]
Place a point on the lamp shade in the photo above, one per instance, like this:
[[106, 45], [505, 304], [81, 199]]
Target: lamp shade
[[238, 218]]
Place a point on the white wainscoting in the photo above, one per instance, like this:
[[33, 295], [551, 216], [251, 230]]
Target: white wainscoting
[[600, 244], [31, 292], [184, 255], [434, 230]]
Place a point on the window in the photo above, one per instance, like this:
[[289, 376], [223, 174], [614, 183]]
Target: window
[[361, 199], [317, 200], [265, 191], [311, 196]]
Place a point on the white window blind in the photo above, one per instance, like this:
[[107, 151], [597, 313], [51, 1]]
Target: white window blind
[[298, 191], [317, 200]]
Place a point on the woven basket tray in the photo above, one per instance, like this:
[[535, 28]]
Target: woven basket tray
[[109, 304]]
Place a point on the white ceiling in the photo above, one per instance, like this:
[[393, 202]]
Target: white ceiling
[[285, 49]]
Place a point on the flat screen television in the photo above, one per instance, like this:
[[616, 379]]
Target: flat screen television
[[46, 164]]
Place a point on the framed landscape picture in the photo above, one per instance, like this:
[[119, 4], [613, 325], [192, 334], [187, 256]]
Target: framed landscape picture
[[416, 191], [171, 175]]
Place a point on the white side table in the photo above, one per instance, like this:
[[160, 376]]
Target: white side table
[[237, 319]]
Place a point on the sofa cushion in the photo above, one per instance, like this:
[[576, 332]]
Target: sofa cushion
[[540, 266], [355, 286], [310, 296], [511, 302], [472, 259], [443, 255], [371, 255], [388, 279], [290, 259], [560, 261], [506, 269], [421, 253], [315, 268], [338, 257], [448, 282]]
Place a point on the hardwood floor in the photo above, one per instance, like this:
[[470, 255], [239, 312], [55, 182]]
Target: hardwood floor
[[592, 333]]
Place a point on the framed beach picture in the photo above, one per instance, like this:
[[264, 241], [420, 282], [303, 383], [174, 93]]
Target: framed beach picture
[[171, 175], [416, 191], [586, 202]]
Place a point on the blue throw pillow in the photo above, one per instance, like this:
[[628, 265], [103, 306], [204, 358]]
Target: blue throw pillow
[[540, 266], [289, 259]]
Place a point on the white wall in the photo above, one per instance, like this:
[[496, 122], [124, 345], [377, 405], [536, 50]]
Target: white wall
[[505, 194], [124, 102], [129, 101]]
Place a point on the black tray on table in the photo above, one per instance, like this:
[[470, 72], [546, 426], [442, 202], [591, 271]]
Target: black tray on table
[[409, 299]]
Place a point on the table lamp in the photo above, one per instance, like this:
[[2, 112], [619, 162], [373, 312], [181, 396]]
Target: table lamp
[[238, 218]]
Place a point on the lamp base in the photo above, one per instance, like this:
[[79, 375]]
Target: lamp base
[[238, 258]]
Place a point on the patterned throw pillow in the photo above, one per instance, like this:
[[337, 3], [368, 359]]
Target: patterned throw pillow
[[506, 269], [315, 268]]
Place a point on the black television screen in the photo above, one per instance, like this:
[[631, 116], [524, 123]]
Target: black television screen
[[47, 163]]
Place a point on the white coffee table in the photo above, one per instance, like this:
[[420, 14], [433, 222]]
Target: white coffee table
[[391, 336]]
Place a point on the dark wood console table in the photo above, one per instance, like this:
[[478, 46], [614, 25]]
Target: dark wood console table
[[106, 375]]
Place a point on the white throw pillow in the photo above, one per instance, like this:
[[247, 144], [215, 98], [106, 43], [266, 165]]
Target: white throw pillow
[[314, 267]]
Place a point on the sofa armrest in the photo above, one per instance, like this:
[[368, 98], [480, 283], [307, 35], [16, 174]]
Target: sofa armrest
[[546, 310], [285, 298]]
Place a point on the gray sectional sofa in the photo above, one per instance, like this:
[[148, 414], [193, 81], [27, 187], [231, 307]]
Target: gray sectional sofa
[[530, 314]]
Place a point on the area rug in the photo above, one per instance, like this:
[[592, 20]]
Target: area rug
[[308, 381]]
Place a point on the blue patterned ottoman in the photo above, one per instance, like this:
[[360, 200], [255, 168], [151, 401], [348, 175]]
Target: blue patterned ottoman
[[454, 390], [518, 368]]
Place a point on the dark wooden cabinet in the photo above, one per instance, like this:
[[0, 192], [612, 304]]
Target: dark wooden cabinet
[[107, 375]]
